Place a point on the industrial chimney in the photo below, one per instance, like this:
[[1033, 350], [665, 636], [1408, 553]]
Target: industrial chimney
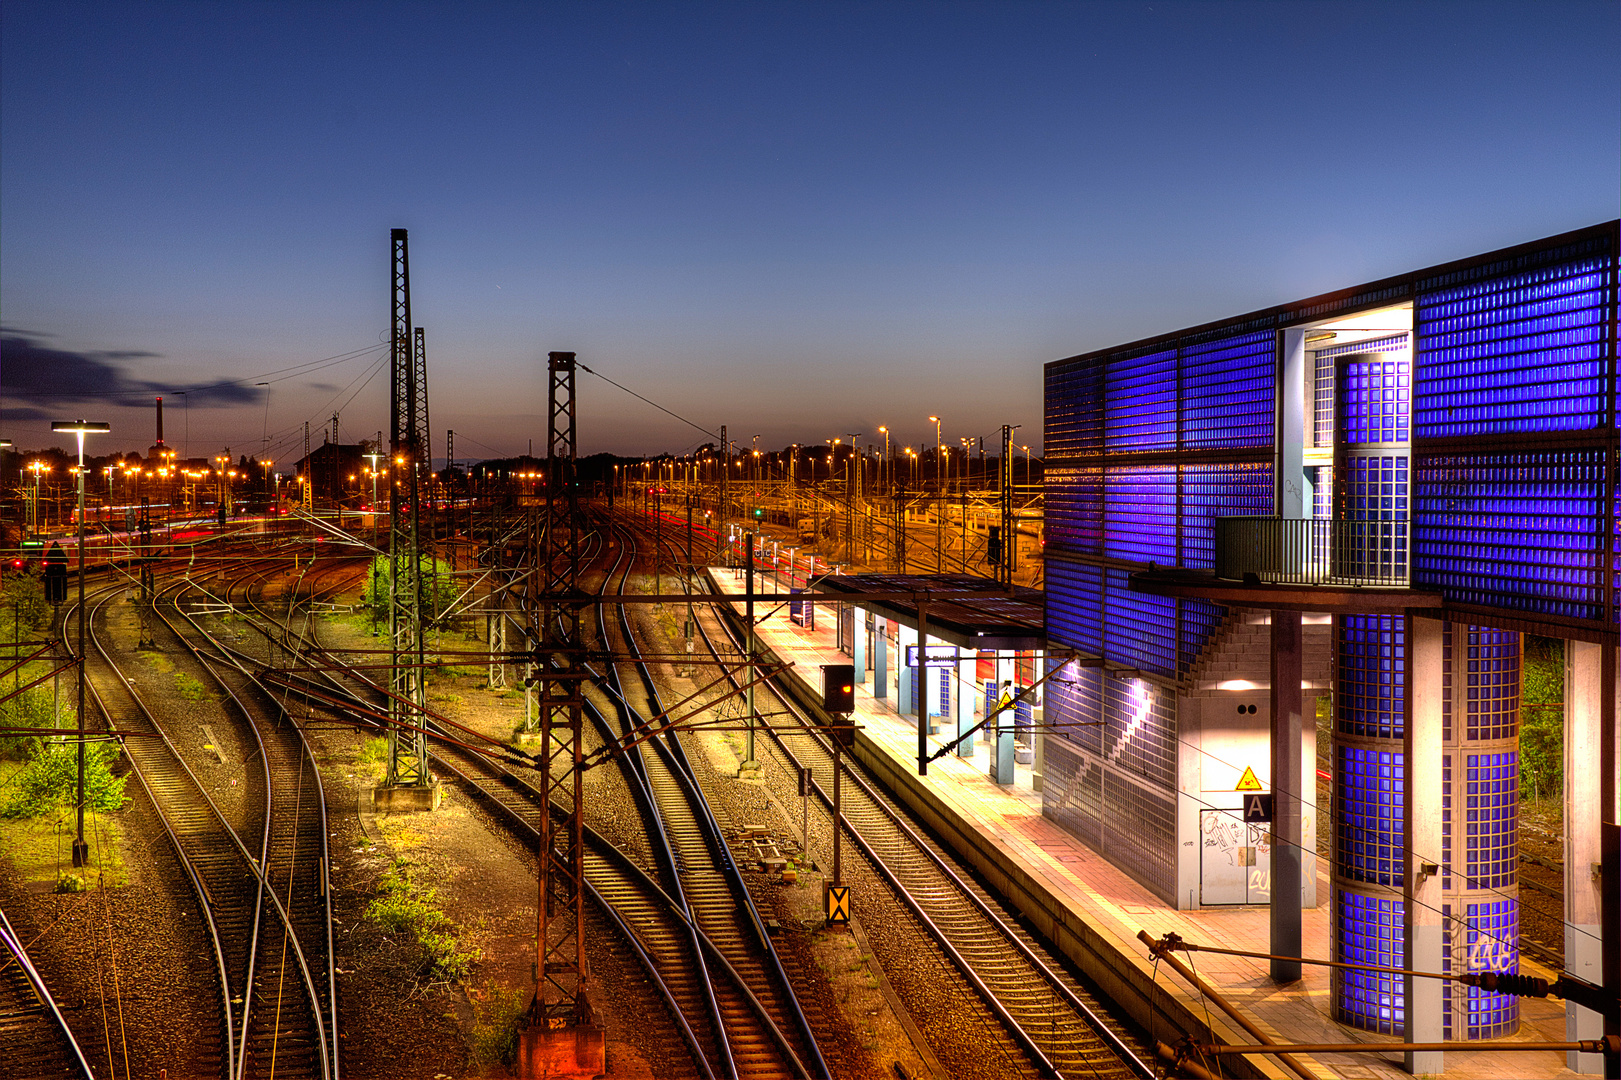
[[160, 421]]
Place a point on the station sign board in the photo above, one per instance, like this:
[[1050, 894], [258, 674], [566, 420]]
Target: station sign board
[[935, 656]]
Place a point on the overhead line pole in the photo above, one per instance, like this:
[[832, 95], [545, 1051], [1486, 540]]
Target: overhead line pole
[[408, 407]]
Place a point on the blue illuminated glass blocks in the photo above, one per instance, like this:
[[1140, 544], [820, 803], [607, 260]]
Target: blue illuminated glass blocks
[[1371, 692], [1368, 930], [1491, 821], [1492, 937], [1369, 794], [1519, 353]]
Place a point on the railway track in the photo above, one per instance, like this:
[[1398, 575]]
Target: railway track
[[709, 882], [678, 954], [271, 1015], [295, 862], [35, 1040], [1057, 1023]]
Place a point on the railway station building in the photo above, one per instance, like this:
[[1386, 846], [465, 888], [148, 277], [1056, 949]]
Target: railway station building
[[1366, 498]]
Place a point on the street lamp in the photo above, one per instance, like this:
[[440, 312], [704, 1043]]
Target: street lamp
[[374, 457], [37, 467], [939, 518], [884, 463], [81, 428]]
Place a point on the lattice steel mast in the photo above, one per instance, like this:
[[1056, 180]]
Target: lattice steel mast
[[560, 971], [408, 430]]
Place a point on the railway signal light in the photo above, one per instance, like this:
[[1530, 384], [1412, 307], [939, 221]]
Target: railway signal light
[[993, 546], [839, 688]]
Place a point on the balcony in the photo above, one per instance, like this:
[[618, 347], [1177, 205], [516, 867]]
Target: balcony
[[1312, 551]]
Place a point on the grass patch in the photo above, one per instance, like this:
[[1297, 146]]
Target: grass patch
[[38, 850], [190, 688], [407, 908], [497, 1018], [160, 663], [371, 760]]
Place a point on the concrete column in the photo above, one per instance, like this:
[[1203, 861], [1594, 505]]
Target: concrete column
[[858, 643], [967, 699], [1421, 825], [1288, 785], [880, 661], [1291, 500], [1584, 956], [905, 636]]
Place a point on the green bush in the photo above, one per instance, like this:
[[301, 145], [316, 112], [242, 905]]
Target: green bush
[[190, 688], [51, 779], [33, 708], [374, 751], [494, 1039]]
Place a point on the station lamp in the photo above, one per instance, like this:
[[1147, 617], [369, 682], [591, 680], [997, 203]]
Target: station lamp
[[81, 428]]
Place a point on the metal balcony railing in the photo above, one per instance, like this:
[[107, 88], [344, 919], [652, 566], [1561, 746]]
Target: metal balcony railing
[[1312, 551]]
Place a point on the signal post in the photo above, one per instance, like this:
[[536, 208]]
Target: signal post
[[839, 702]]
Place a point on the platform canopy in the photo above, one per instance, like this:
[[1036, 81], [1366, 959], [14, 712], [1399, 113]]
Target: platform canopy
[[963, 610]]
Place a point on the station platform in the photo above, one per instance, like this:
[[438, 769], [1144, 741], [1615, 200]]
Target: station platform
[[1093, 912]]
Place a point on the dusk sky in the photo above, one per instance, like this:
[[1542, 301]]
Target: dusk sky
[[798, 220]]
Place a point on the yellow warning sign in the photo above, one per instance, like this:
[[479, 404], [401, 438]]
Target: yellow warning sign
[[838, 904], [1247, 782]]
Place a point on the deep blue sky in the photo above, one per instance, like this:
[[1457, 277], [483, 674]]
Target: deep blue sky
[[799, 220]]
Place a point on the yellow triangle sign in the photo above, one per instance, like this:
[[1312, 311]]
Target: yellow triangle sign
[[1247, 782]]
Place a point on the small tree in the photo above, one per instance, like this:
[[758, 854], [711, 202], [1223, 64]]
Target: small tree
[[438, 587], [1542, 718], [25, 596]]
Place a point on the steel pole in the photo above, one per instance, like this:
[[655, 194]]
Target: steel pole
[[81, 850]]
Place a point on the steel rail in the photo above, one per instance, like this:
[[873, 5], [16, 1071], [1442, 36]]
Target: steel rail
[[1089, 1021], [203, 863], [273, 753], [205, 900], [669, 747], [20, 1049], [695, 949], [531, 832], [635, 764]]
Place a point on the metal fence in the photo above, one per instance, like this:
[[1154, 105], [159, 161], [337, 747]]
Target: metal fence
[[1312, 551]]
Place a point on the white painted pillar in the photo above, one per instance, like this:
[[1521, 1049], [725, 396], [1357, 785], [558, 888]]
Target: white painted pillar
[[966, 704], [880, 660], [905, 636], [858, 642], [1584, 954], [1421, 825]]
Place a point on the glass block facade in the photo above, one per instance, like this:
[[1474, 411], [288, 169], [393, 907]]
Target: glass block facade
[[1479, 446], [1146, 447], [1370, 692]]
